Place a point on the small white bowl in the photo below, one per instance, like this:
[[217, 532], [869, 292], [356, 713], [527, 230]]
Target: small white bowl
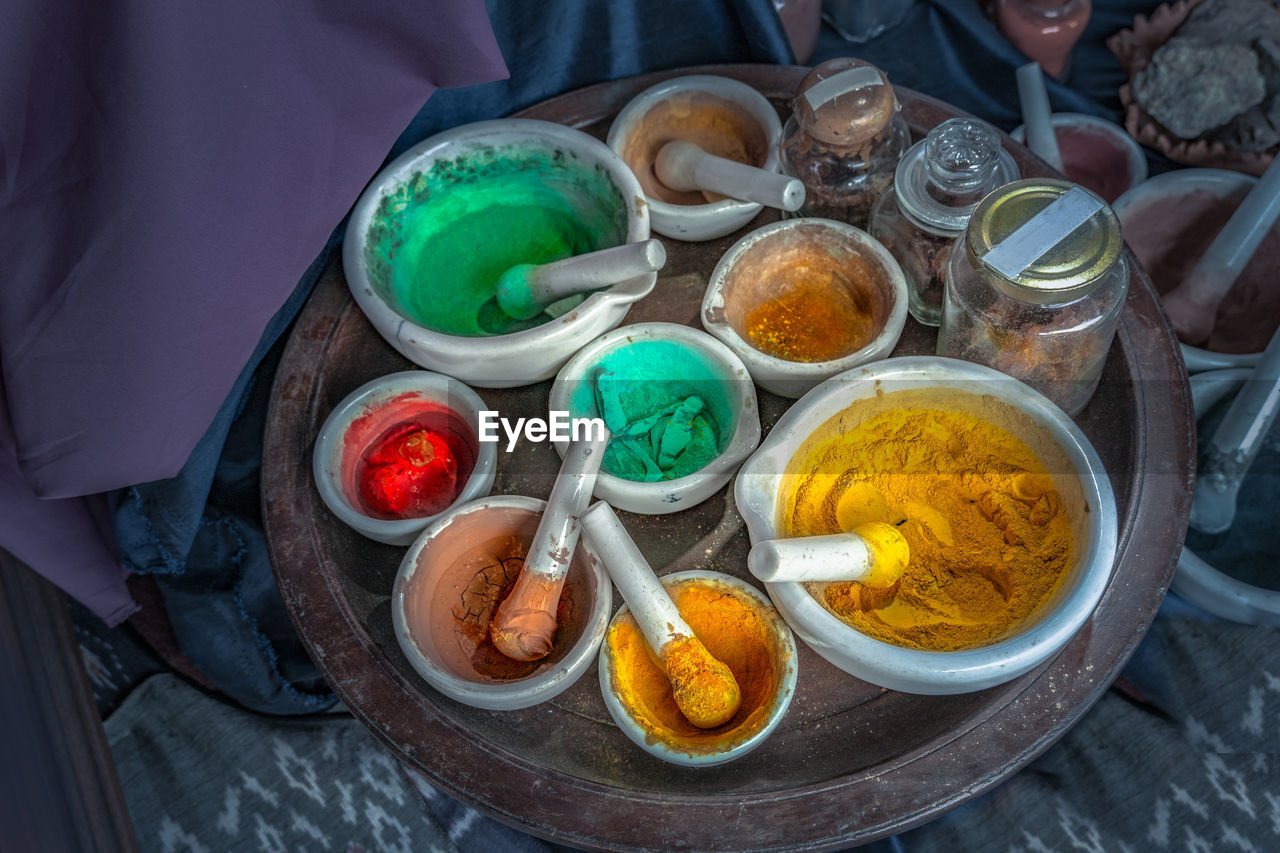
[[694, 222], [1198, 581], [1134, 158], [366, 414], [444, 176], [709, 369], [438, 550], [786, 648], [747, 273], [1081, 481]]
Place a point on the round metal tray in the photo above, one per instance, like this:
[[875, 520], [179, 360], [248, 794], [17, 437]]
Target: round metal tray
[[850, 762]]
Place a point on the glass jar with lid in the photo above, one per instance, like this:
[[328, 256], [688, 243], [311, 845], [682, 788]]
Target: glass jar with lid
[[843, 140], [937, 185], [1035, 287]]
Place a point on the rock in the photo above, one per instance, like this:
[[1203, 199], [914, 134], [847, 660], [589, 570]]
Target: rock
[[1268, 51], [1191, 87], [1232, 22], [1255, 129]]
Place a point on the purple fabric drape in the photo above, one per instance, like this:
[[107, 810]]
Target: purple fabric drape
[[167, 172]]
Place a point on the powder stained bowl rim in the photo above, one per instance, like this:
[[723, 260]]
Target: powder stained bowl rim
[[782, 698], [915, 670], [782, 376], [519, 358]]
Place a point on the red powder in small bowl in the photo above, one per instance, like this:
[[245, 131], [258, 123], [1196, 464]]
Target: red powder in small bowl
[[376, 483]]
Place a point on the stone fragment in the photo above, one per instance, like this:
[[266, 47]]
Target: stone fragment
[[1268, 51], [1232, 22], [1191, 87]]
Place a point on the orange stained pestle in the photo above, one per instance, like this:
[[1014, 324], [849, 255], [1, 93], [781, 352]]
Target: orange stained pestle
[[735, 632], [527, 628], [705, 690], [524, 626]]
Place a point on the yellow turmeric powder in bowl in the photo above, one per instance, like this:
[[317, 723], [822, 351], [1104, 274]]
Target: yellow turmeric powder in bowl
[[988, 534], [740, 629]]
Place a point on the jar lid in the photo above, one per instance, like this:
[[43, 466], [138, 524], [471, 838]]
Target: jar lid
[[844, 102], [1044, 240], [962, 159]]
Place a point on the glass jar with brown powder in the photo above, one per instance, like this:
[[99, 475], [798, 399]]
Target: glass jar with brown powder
[[844, 139], [1035, 287]]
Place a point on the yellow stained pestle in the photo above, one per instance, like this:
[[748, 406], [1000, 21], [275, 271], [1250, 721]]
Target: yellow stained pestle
[[705, 690]]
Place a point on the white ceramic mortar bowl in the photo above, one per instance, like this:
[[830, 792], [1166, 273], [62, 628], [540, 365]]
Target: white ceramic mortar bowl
[[794, 378], [699, 222], [730, 375], [370, 401], [777, 708], [496, 361], [1135, 159], [1082, 483], [1197, 580], [497, 696], [1167, 189], [1171, 186]]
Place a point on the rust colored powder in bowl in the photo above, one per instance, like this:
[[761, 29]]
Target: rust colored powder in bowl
[[464, 573], [716, 125], [810, 319], [1169, 235], [381, 475], [1094, 160], [803, 295], [735, 632]]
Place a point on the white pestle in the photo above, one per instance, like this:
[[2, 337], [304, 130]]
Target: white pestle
[[1235, 444], [873, 554], [655, 612], [524, 626], [1192, 306], [525, 290], [1037, 118], [706, 691], [686, 167], [1199, 360], [1211, 387]]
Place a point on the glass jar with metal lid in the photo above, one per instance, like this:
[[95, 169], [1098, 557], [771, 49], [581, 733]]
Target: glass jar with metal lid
[[1035, 287], [843, 140], [937, 185]]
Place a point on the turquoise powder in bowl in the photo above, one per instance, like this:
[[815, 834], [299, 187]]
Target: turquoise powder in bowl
[[681, 408], [435, 230]]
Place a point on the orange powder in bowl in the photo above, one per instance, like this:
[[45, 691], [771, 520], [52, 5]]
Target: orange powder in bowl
[[736, 631]]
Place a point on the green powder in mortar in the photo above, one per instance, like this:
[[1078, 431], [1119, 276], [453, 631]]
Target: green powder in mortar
[[439, 242], [664, 404]]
